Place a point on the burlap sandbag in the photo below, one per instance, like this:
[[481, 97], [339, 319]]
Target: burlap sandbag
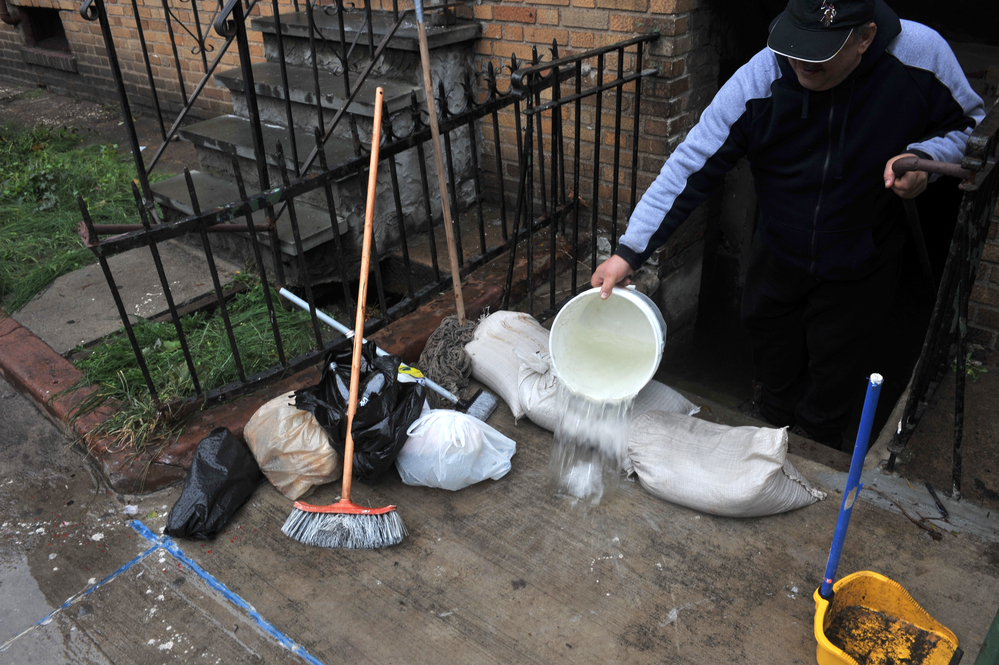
[[716, 469], [494, 352]]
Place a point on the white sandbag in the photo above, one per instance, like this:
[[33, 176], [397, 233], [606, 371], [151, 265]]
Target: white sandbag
[[537, 388], [721, 470], [291, 447], [538, 393], [494, 348], [452, 450]]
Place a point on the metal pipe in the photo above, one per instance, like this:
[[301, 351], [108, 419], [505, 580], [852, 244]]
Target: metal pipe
[[259, 259], [595, 201], [575, 178], [422, 161], [397, 199], [219, 297], [452, 191], [616, 180]]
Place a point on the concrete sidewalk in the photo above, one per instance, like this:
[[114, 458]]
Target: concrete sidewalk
[[499, 572]]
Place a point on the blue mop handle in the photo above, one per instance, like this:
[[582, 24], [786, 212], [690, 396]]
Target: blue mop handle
[[852, 482], [419, 10]]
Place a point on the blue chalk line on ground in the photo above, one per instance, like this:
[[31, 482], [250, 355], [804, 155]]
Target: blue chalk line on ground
[[166, 543], [44, 621]]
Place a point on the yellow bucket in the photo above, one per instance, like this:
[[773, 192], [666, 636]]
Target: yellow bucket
[[872, 620]]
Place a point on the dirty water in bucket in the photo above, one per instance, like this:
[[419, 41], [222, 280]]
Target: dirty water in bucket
[[591, 442], [875, 638]]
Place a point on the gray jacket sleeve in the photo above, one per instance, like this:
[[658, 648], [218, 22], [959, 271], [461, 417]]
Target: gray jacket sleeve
[[699, 163], [922, 48]]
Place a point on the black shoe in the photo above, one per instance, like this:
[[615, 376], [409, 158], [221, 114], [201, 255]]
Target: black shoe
[[830, 440]]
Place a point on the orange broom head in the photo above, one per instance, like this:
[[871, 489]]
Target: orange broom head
[[345, 525]]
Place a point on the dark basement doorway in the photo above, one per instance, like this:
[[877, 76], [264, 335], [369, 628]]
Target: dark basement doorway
[[713, 358]]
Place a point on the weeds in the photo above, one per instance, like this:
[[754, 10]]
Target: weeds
[[973, 368], [41, 173], [134, 419]]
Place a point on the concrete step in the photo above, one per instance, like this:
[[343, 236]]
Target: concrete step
[[301, 90], [220, 138], [314, 225], [225, 135], [295, 25], [451, 48]]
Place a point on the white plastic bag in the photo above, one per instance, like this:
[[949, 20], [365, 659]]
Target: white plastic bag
[[493, 351], [291, 447], [452, 450], [731, 471]]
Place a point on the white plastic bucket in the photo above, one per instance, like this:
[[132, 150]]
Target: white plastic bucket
[[607, 350]]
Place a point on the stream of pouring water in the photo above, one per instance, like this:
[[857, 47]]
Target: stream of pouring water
[[591, 443], [604, 355]]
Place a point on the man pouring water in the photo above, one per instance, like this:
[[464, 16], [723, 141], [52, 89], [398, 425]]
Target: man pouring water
[[844, 89]]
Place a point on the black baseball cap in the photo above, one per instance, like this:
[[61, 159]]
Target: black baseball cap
[[816, 30]]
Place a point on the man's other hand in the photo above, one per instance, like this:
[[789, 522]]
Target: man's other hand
[[612, 272], [908, 186]]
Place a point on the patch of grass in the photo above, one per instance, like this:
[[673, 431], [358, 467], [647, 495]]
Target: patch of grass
[[41, 172], [111, 366]]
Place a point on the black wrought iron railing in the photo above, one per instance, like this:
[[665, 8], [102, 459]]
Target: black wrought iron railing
[[547, 99], [946, 335]]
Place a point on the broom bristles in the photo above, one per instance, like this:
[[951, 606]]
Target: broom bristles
[[345, 531]]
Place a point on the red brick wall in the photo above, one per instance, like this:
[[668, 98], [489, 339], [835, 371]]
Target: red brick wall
[[671, 101], [94, 81], [983, 311]]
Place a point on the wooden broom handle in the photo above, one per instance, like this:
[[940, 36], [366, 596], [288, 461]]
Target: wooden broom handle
[[362, 294], [428, 87]]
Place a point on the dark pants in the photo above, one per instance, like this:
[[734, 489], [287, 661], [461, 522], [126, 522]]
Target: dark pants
[[809, 339]]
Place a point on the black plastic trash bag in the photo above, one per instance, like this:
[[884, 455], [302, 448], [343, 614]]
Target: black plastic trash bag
[[386, 407], [223, 475]]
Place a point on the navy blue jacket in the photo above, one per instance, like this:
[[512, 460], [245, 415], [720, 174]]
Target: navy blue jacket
[[818, 158]]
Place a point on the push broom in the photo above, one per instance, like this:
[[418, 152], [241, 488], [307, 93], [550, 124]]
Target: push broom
[[344, 524]]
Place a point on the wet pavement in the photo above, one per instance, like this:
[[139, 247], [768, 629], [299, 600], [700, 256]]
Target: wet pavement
[[84, 581], [499, 572]]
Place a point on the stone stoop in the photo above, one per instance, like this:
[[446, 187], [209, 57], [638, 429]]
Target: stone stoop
[[398, 72]]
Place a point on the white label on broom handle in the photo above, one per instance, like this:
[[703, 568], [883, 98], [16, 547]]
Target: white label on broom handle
[[348, 333]]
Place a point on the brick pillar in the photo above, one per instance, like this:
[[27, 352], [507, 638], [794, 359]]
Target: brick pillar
[[671, 104]]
